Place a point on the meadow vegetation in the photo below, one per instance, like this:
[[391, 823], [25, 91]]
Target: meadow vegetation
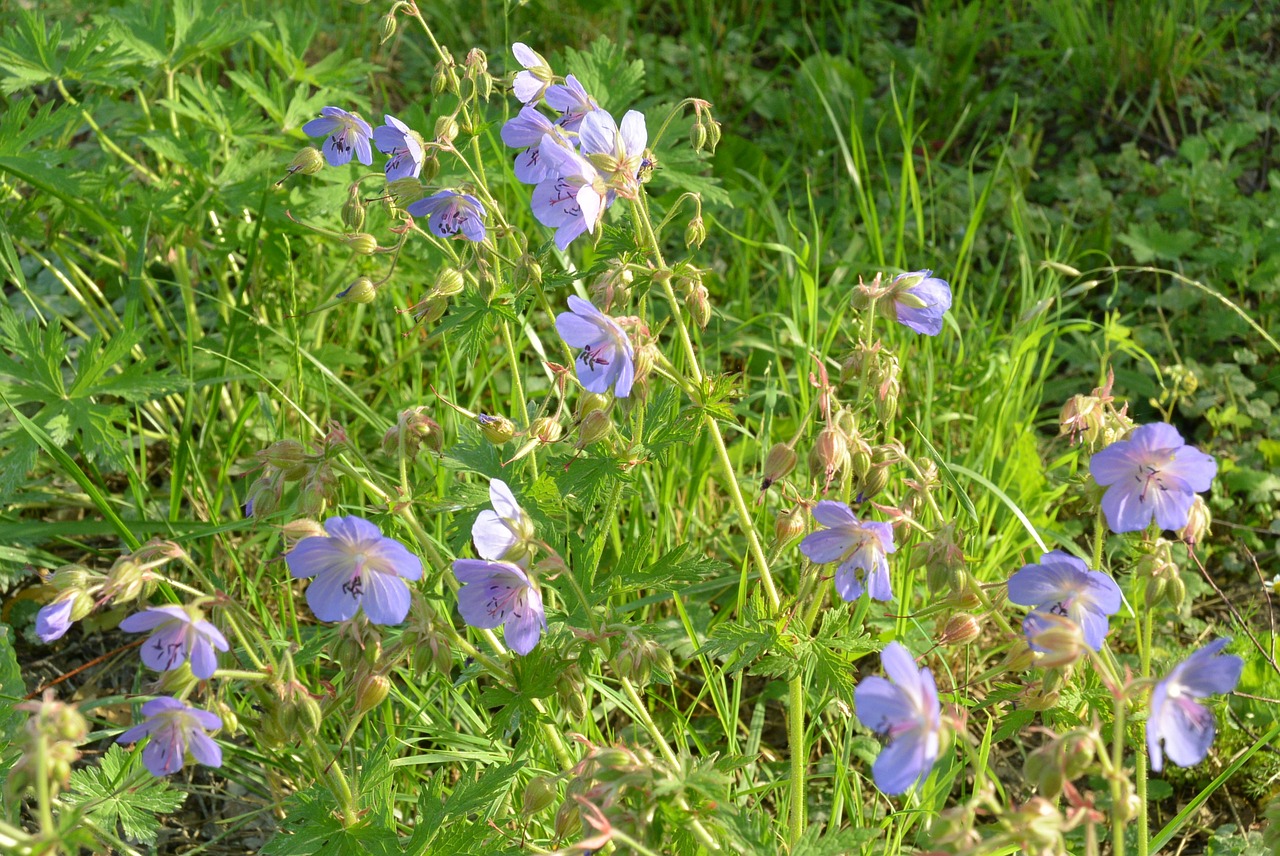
[[653, 530]]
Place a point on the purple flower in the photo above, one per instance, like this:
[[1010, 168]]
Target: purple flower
[[504, 532], [618, 150], [856, 545], [177, 637], [526, 131], [920, 300], [451, 212], [396, 139], [1152, 474], [1185, 726], [347, 132], [606, 357], [1064, 585], [54, 619], [529, 85], [571, 101], [572, 197], [907, 713], [175, 728], [355, 567], [501, 593]]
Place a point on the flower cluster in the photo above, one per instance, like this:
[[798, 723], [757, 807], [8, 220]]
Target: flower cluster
[[581, 160]]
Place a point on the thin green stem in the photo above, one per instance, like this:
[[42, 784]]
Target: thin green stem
[[107, 142], [799, 758], [1119, 810], [338, 784]]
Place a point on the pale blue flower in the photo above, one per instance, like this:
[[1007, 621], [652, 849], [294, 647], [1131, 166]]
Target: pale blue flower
[[1063, 585], [347, 133], [398, 140], [356, 567], [860, 547], [175, 729], [450, 213], [500, 594], [177, 637], [606, 357], [907, 713], [1177, 719], [1153, 474]]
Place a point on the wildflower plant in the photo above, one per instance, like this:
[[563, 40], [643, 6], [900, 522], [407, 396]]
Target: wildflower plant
[[580, 593]]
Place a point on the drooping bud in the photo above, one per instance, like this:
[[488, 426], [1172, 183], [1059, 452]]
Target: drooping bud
[[386, 28], [71, 576], [594, 427], [942, 558], [698, 135], [830, 453], [447, 129], [430, 167], [528, 271], [496, 429], [353, 211], [695, 233], [405, 191], [546, 429], [264, 495], [779, 463], [1058, 640], [371, 692], [960, 629], [588, 403], [874, 482], [538, 794], [698, 302], [295, 530], [307, 161], [571, 691], [790, 524], [430, 309], [362, 243], [713, 135], [288, 456], [1199, 521], [449, 281], [361, 291]]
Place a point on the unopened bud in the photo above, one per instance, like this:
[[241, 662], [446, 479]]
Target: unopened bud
[[307, 161], [371, 692], [830, 453], [695, 233], [588, 403], [568, 820], [1058, 639], [288, 456], [295, 530], [447, 129], [593, 428], [449, 281], [698, 302], [361, 291], [386, 28], [713, 135], [430, 309], [790, 524], [306, 711], [70, 577], [528, 271], [876, 480], [960, 630], [779, 463], [353, 211], [405, 191], [176, 682], [496, 429], [538, 794], [546, 429], [698, 135], [362, 243], [1199, 520]]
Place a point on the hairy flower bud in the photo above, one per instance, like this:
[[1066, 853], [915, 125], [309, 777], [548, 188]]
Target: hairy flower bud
[[790, 524], [571, 691], [288, 456], [361, 291], [430, 167], [698, 302], [830, 453], [496, 429], [546, 429], [449, 281], [779, 463], [943, 560], [528, 271], [538, 794], [1199, 521], [405, 191], [960, 629], [1058, 639], [307, 161], [876, 480], [595, 426], [295, 530], [353, 211], [386, 28], [698, 135], [695, 233], [371, 691], [588, 403], [430, 309], [71, 576], [447, 129]]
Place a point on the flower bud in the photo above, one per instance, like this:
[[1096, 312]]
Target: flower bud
[[430, 309], [496, 429], [830, 453], [1058, 639], [960, 629], [230, 719], [695, 233], [546, 429], [176, 682], [568, 820], [405, 191], [528, 271], [295, 530], [307, 161], [1199, 520], [1042, 769], [1175, 592], [1153, 591], [449, 281], [288, 456], [386, 28], [594, 427], [371, 692], [125, 580], [353, 211], [698, 135], [646, 358], [571, 691], [698, 302], [361, 291], [874, 482], [538, 794], [588, 403], [779, 463], [430, 167], [305, 711], [361, 242], [447, 129], [713, 135], [789, 525]]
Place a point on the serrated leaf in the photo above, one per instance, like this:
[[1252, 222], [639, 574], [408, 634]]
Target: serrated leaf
[[311, 827], [137, 809], [12, 689], [679, 566]]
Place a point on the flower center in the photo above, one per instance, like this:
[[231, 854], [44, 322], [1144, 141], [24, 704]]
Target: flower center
[[592, 357]]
